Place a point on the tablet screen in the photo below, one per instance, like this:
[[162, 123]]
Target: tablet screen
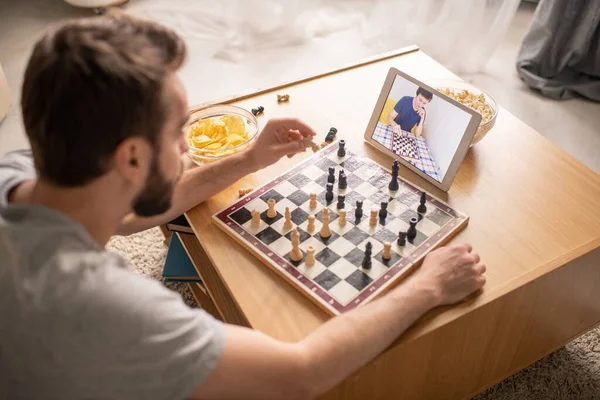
[[421, 127]]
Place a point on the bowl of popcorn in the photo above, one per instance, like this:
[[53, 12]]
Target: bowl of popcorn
[[474, 98], [218, 131]]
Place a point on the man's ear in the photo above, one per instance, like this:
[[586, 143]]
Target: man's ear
[[132, 159]]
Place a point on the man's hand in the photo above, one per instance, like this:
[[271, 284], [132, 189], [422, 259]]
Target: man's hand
[[280, 137], [451, 273], [421, 113], [396, 129]]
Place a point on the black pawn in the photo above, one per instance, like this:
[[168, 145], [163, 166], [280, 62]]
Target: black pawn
[[331, 176], [383, 210], [342, 182], [341, 148], [366, 264], [422, 209], [331, 135], [401, 238], [411, 233], [393, 186], [358, 213], [341, 202], [258, 110], [329, 193]]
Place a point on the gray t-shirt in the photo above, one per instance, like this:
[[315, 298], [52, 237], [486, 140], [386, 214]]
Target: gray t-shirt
[[76, 323]]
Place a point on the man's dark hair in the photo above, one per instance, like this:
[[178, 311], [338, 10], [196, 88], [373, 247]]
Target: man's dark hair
[[91, 84], [425, 93]]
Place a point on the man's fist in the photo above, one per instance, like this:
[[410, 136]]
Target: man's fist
[[280, 137], [451, 273]]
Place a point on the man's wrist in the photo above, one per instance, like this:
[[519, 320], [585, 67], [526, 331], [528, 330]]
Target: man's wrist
[[424, 295], [248, 161]]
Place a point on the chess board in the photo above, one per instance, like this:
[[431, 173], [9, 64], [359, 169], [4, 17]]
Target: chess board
[[337, 282], [405, 146]]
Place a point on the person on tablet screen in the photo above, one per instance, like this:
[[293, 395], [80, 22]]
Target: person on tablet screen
[[410, 112]]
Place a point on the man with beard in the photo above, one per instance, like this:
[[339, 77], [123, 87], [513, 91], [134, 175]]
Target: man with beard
[[103, 110]]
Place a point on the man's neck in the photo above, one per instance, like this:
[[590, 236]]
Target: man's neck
[[94, 207]]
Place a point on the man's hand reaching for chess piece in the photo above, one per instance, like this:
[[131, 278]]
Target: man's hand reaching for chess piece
[[280, 137]]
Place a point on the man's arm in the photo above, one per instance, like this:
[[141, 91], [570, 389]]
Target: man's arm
[[255, 366], [391, 117], [419, 130], [279, 137]]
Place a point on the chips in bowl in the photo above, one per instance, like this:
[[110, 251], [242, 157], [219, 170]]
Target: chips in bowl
[[219, 131]]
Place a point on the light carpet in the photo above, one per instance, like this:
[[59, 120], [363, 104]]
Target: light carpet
[[572, 372]]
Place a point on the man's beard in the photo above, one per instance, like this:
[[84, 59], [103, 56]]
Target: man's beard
[[157, 195]]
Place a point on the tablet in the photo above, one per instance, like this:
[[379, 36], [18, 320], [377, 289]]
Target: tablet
[[422, 128]]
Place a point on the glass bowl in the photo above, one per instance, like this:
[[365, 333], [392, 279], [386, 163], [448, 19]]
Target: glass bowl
[[458, 86], [215, 132]]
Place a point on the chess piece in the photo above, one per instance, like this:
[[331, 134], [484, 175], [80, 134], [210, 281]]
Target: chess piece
[[373, 219], [342, 219], [282, 98], [341, 202], [325, 230], [313, 200], [342, 182], [422, 209], [314, 147], [358, 212], [366, 264], [393, 186], [287, 225], [296, 253], [329, 193], [401, 238], [255, 218], [271, 213], [383, 210], [245, 191], [341, 148], [340, 173], [331, 135], [387, 251], [258, 110], [310, 256], [411, 233], [331, 176], [311, 224]]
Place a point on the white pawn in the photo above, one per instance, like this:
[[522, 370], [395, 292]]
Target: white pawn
[[325, 231], [311, 224], [287, 225], [342, 219], [373, 219], [255, 219], [271, 213], [313, 200], [310, 256], [387, 251]]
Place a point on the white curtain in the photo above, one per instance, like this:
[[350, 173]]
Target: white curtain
[[462, 34]]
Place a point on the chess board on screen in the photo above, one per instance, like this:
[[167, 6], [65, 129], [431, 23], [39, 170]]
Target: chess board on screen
[[337, 277]]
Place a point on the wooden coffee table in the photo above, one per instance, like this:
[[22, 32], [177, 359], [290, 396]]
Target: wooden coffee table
[[534, 219]]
